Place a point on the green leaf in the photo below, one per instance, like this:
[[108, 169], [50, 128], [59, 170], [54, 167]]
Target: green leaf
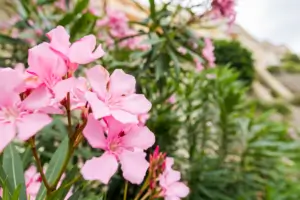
[[4, 183], [4, 39], [80, 6], [43, 2], [161, 65], [75, 196], [152, 9], [22, 7], [16, 193], [84, 25], [13, 167], [54, 166], [67, 19], [63, 190]]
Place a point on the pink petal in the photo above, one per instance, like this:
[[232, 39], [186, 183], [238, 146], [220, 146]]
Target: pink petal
[[7, 134], [140, 137], [30, 124], [63, 87], [102, 168], [12, 80], [99, 108], [45, 63], [114, 127], [134, 166], [172, 198], [59, 39], [81, 51], [135, 104], [30, 173], [39, 98], [98, 77], [8, 98], [172, 176], [124, 117], [121, 83], [94, 133], [169, 163], [178, 189]]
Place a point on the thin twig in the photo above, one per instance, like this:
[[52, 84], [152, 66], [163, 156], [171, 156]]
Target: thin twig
[[125, 190], [38, 163]]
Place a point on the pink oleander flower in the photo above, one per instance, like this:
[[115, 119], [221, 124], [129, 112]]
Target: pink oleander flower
[[208, 52], [83, 51], [224, 9], [115, 95], [182, 50], [172, 189], [122, 144], [76, 87], [143, 119], [172, 99], [199, 66], [22, 119]]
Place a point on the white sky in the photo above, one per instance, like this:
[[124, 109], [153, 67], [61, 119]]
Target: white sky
[[277, 21]]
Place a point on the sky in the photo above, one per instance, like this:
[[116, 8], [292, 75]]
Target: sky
[[277, 21]]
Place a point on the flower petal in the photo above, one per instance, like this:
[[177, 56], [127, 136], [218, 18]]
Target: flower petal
[[140, 137], [30, 124], [134, 166], [114, 126], [81, 51], [98, 77], [135, 104], [102, 168], [94, 133], [121, 83], [59, 39], [124, 117], [63, 87], [99, 108], [178, 189], [8, 97], [39, 98], [7, 134], [12, 80]]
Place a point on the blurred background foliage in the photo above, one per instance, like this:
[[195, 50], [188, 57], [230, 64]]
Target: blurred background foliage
[[227, 146]]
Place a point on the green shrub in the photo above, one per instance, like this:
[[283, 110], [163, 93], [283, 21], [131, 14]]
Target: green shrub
[[232, 53]]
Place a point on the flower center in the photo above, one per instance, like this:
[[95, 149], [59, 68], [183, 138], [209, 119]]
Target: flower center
[[10, 113], [113, 146]]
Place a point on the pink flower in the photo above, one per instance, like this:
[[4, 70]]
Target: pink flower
[[224, 8], [172, 99], [208, 52], [80, 52], [143, 119], [182, 50], [172, 189], [115, 95], [122, 144], [46, 65], [22, 118], [32, 181], [76, 88], [199, 66]]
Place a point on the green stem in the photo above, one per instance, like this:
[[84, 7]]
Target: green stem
[[38, 163], [144, 187], [125, 190], [146, 196], [68, 105]]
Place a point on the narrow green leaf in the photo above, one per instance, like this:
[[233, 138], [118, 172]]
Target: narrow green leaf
[[22, 8], [4, 39], [84, 25], [67, 19], [80, 6], [54, 167], [75, 196], [152, 9], [16, 193], [4, 183], [13, 167]]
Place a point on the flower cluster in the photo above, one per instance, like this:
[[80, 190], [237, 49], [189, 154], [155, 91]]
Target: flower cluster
[[224, 9], [118, 28], [113, 115]]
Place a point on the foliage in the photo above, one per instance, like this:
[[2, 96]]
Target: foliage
[[232, 53], [289, 63]]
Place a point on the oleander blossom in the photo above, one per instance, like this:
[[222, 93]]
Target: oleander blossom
[[21, 118], [115, 95], [224, 9], [208, 52], [122, 144], [172, 189]]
